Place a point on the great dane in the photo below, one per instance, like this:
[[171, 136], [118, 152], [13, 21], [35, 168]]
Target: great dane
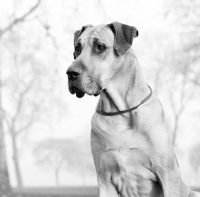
[[132, 151]]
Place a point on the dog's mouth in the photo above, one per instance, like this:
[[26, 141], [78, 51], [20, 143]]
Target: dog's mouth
[[80, 88], [78, 92]]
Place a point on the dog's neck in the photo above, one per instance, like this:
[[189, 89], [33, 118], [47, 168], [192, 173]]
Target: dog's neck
[[126, 90]]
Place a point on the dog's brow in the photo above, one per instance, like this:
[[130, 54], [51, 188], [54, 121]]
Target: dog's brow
[[95, 40], [78, 41]]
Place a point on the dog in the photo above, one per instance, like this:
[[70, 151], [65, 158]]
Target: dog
[[131, 148]]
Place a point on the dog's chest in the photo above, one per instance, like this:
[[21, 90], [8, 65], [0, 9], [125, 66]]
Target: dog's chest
[[114, 143], [115, 134], [120, 156], [110, 133]]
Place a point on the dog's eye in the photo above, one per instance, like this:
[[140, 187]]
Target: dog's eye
[[101, 48], [77, 50]]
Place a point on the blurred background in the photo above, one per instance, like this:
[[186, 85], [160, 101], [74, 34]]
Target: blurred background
[[45, 131]]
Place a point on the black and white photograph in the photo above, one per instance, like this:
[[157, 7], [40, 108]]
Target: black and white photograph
[[99, 98]]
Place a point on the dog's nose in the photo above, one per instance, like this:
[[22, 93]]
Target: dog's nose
[[72, 75]]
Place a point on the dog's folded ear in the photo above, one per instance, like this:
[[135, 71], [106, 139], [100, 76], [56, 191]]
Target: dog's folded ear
[[124, 35]]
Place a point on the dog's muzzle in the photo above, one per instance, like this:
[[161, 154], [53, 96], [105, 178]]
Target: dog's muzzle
[[81, 82], [73, 83]]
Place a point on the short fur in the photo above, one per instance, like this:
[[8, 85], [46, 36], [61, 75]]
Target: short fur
[[132, 152]]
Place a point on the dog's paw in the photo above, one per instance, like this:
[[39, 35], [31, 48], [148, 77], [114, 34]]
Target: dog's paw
[[124, 186], [131, 185]]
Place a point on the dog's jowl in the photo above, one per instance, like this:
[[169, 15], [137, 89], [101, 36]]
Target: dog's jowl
[[132, 151]]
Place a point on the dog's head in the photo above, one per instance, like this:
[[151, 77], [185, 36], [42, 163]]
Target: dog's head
[[98, 51]]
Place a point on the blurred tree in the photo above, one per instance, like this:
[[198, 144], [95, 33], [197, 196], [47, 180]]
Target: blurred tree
[[58, 154], [187, 57], [23, 82], [26, 108], [49, 154], [12, 123], [5, 189], [186, 15], [170, 77], [178, 58]]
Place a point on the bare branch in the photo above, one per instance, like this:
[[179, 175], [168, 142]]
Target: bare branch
[[47, 29], [19, 19], [21, 98], [26, 126], [196, 81]]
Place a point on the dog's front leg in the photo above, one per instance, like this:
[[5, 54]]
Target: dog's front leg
[[106, 189], [107, 192], [170, 182]]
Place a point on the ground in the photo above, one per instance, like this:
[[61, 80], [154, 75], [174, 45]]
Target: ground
[[60, 192], [56, 192]]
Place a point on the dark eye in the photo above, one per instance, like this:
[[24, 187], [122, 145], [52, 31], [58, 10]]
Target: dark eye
[[77, 51], [101, 48]]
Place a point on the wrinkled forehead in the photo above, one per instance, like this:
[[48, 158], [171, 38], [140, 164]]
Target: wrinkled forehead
[[101, 33]]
